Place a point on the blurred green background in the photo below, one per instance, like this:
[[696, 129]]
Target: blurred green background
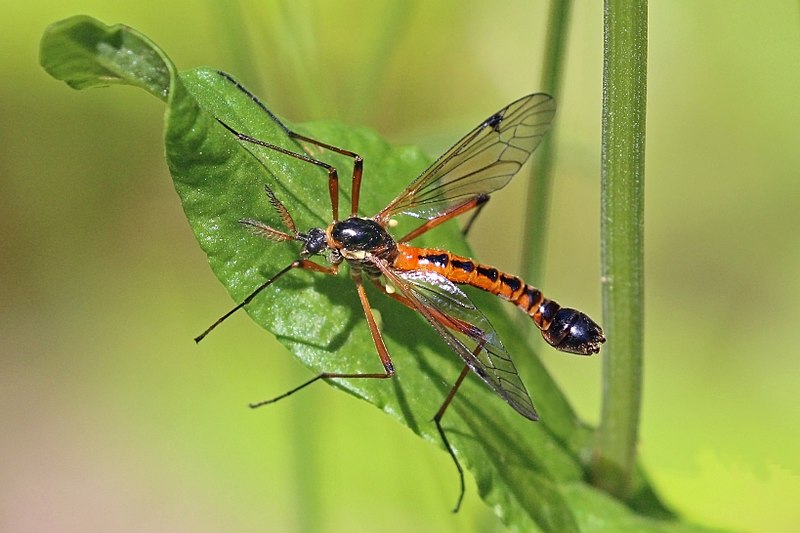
[[114, 420]]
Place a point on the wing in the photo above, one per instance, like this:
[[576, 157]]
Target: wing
[[483, 161], [449, 310]]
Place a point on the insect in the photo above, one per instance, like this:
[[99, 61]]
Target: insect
[[427, 280]]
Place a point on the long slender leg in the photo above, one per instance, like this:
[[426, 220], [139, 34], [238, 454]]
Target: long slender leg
[[478, 210], [358, 167], [454, 211], [437, 419], [333, 175], [383, 353], [358, 161], [300, 263], [255, 100], [466, 329]]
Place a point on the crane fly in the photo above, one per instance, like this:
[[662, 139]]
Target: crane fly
[[427, 280]]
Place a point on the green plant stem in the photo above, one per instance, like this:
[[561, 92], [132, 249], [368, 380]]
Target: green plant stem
[[622, 212], [538, 198]]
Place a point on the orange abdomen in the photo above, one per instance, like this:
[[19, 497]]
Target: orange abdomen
[[465, 271]]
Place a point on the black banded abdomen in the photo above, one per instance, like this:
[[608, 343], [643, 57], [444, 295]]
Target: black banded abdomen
[[465, 271], [563, 328]]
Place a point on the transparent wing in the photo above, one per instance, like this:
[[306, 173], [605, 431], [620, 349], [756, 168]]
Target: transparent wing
[[483, 161], [453, 315]]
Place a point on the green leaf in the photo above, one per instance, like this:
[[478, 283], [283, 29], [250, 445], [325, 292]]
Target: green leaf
[[532, 474], [86, 54]]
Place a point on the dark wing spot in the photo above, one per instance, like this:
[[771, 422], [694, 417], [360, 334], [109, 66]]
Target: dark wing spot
[[494, 121]]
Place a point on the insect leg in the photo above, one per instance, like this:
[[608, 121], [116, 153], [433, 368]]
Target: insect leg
[[255, 100], [358, 167], [358, 161], [333, 175], [458, 209], [383, 353], [465, 328], [300, 263], [437, 419], [474, 216]]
